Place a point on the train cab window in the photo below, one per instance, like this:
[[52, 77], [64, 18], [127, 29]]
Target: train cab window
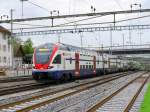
[[57, 59]]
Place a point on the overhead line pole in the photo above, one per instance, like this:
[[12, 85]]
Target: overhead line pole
[[78, 15], [12, 37], [11, 16]]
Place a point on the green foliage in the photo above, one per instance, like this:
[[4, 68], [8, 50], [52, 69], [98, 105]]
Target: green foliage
[[135, 65], [14, 41], [28, 46], [17, 42], [145, 105]]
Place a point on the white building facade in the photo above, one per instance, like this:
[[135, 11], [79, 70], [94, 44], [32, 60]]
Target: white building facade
[[5, 49]]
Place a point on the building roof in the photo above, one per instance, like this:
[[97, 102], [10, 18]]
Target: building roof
[[4, 30]]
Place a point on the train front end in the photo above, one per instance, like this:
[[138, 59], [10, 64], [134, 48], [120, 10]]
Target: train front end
[[42, 62]]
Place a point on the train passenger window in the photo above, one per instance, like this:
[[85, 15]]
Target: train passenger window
[[86, 66], [83, 66], [105, 62], [90, 66], [70, 60], [97, 61], [57, 59]]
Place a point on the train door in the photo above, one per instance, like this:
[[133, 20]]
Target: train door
[[64, 65], [103, 63], [77, 70], [63, 61], [109, 63], [94, 64]]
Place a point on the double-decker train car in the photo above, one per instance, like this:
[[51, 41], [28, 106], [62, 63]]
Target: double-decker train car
[[63, 62]]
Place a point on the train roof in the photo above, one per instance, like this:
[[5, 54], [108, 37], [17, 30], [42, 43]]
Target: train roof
[[63, 47]]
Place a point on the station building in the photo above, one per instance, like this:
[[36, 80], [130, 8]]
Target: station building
[[5, 48]]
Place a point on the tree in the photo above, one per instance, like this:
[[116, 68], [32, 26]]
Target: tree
[[15, 43], [28, 46]]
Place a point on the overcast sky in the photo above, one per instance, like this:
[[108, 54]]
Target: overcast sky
[[74, 7]]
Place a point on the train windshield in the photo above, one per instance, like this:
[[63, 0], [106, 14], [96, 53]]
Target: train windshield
[[43, 56]]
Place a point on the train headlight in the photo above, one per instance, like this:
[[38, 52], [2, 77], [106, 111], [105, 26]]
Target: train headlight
[[50, 67]]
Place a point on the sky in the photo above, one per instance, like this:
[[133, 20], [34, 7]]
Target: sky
[[76, 7]]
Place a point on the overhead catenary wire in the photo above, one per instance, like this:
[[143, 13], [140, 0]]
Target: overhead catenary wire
[[44, 9], [65, 24], [39, 6], [79, 20], [44, 26], [117, 2]]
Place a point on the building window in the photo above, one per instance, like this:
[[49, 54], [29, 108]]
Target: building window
[[9, 60], [4, 36], [8, 48], [4, 59], [4, 48]]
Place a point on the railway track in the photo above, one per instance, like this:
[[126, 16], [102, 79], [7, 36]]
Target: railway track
[[46, 98], [15, 79], [19, 87], [121, 100]]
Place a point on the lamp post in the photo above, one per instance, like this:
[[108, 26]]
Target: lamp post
[[12, 38]]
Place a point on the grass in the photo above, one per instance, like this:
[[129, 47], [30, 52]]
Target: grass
[[145, 107]]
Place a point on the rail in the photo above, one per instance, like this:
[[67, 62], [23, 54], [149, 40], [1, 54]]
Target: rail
[[102, 102], [79, 88]]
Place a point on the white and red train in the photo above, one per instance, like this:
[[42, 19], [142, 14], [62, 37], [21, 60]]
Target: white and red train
[[62, 62]]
